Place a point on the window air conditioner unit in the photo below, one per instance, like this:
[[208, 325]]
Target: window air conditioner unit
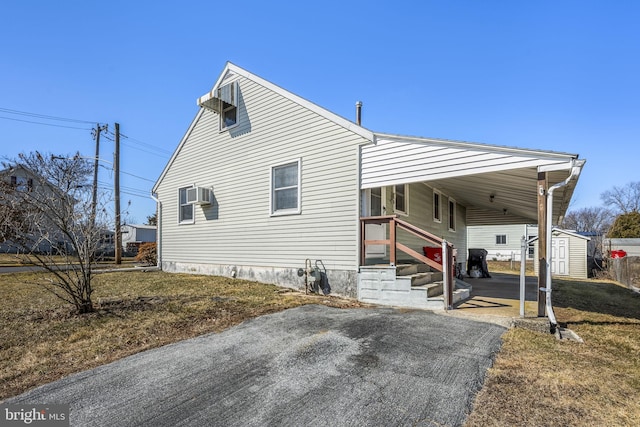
[[199, 196]]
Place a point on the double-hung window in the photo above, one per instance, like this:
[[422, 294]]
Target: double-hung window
[[185, 210], [401, 196], [285, 188]]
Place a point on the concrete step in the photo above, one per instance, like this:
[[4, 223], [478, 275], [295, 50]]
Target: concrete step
[[460, 295], [409, 269], [420, 279], [432, 289]]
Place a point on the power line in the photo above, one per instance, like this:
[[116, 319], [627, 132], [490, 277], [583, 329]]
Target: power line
[[151, 146], [136, 176], [41, 123], [45, 116], [154, 153]]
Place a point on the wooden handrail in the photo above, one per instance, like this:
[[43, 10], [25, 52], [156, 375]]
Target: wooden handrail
[[394, 245]]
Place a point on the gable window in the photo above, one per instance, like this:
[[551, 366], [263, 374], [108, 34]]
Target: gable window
[[224, 101], [228, 95], [452, 215], [285, 189], [437, 210], [21, 183], [400, 193], [185, 210], [501, 239]]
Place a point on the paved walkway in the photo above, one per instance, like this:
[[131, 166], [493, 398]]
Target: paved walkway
[[308, 366], [500, 296]]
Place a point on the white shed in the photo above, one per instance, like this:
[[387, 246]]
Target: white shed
[[568, 254]]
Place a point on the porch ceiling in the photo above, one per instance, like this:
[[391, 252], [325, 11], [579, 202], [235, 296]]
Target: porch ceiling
[[514, 190]]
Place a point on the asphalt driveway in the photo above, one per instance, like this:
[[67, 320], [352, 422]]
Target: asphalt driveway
[[308, 366]]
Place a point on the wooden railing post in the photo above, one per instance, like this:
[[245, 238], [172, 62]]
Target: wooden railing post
[[392, 244]]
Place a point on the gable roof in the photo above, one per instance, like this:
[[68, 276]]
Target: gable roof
[[563, 231], [12, 169], [232, 71]]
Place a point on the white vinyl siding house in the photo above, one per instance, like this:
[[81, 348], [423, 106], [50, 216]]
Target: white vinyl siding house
[[290, 181]]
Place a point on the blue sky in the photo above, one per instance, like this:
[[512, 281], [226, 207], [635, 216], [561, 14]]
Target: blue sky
[[551, 75]]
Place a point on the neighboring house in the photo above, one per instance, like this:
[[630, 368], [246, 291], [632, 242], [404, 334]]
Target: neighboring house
[[21, 179], [265, 183], [502, 242], [133, 235]]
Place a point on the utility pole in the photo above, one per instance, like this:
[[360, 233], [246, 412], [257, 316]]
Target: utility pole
[[116, 188], [94, 200]]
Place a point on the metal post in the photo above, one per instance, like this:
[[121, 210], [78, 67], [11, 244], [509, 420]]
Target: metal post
[[523, 262]]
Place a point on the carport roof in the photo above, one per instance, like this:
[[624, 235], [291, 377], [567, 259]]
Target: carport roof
[[471, 173]]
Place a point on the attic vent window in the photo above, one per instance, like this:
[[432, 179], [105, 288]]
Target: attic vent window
[[224, 102]]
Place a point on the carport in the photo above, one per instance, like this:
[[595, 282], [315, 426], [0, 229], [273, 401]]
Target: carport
[[495, 185]]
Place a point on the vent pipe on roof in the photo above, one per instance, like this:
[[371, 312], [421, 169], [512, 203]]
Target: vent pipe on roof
[[359, 113]]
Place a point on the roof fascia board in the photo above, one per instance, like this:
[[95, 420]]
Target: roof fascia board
[[341, 121], [569, 233], [177, 150], [478, 146], [561, 166]]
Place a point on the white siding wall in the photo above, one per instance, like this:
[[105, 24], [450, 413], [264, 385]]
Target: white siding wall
[[484, 237], [238, 229], [421, 215]]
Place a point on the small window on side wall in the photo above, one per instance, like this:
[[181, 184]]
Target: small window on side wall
[[228, 105], [501, 239], [437, 210], [452, 215], [285, 189], [185, 210]]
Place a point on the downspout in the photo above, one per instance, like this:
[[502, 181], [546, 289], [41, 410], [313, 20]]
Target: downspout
[[158, 232], [575, 170]]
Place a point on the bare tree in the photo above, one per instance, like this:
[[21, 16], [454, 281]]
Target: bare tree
[[52, 220], [595, 219], [625, 199]]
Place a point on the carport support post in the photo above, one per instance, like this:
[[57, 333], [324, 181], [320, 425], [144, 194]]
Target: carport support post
[[543, 187]]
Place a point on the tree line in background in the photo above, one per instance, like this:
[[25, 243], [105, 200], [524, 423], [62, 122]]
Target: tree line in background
[[618, 218]]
